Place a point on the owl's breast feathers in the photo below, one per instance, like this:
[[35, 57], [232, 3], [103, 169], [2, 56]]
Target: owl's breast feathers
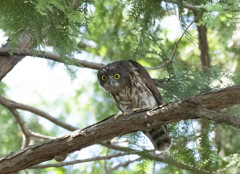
[[135, 94]]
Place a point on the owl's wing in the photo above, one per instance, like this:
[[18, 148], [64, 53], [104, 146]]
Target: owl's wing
[[113, 96], [148, 81]]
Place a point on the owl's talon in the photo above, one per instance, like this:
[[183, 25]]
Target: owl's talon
[[116, 116], [136, 109]]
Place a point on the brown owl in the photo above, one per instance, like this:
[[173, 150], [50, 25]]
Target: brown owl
[[130, 86]]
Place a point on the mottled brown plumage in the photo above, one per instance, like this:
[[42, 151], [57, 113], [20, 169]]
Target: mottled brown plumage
[[130, 86]]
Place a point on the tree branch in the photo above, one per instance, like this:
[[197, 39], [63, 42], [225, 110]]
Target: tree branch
[[56, 57], [26, 134], [125, 164], [7, 63], [157, 157], [51, 56], [185, 5], [174, 51], [12, 104], [219, 117], [190, 108], [80, 63], [78, 161], [196, 8]]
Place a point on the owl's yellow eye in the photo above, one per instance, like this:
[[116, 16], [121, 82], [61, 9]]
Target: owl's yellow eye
[[104, 77], [116, 76]]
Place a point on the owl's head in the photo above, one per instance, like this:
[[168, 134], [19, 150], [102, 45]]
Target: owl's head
[[114, 76]]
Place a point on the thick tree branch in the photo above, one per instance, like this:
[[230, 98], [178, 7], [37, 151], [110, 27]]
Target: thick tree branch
[[190, 108], [219, 117]]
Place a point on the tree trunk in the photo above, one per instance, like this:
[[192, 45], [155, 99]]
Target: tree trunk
[[6, 62]]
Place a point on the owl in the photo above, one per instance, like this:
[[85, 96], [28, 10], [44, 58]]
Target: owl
[[130, 86]]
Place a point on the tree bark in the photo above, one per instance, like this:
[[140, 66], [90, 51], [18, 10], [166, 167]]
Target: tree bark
[[199, 106], [8, 62]]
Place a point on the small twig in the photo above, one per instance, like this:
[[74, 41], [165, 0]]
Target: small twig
[[121, 148], [40, 136], [122, 165], [235, 128], [154, 165], [106, 171], [186, 5], [219, 171], [79, 161], [196, 8], [156, 157], [174, 51]]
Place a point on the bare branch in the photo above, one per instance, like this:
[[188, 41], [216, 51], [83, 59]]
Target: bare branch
[[219, 117], [12, 104], [185, 5], [235, 129], [174, 51], [220, 171], [51, 56], [156, 157], [78, 161], [55, 57], [105, 164], [196, 8], [125, 164], [27, 134], [124, 149], [21, 123], [40, 136]]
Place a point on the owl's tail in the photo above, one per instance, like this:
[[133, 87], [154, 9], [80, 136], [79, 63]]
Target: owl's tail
[[159, 138]]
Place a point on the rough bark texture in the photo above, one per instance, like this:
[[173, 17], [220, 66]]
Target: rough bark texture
[[202, 105], [6, 62]]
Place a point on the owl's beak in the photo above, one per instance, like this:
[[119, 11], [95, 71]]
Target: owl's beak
[[111, 80]]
